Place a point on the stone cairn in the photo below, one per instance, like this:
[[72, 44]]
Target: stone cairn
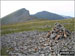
[[58, 32]]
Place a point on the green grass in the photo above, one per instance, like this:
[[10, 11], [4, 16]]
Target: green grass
[[3, 51], [36, 25]]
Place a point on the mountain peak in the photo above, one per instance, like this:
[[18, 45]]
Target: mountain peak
[[48, 15], [22, 9], [43, 12], [20, 15]]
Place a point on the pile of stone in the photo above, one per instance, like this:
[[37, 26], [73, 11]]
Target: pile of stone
[[58, 32]]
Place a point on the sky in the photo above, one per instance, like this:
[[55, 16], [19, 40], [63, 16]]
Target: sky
[[65, 8]]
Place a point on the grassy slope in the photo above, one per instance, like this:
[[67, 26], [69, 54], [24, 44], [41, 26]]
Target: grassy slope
[[36, 25], [3, 51]]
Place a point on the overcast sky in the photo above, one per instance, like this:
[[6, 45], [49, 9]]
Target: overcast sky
[[60, 7]]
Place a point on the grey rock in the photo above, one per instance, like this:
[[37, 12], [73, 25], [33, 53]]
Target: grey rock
[[33, 43]]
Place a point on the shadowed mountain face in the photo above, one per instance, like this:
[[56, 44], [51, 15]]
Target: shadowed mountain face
[[48, 15], [21, 15]]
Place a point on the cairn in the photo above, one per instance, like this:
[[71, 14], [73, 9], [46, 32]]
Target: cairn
[[58, 32]]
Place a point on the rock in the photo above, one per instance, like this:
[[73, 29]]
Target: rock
[[33, 43], [58, 32], [53, 35]]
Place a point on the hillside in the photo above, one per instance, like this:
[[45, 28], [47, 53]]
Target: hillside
[[48, 15], [23, 15], [20, 15], [38, 24], [29, 38]]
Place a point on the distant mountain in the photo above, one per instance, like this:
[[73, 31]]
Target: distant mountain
[[20, 15], [48, 15], [23, 15], [67, 17]]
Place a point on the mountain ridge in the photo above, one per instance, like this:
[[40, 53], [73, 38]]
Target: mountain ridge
[[20, 15], [48, 15], [23, 15]]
